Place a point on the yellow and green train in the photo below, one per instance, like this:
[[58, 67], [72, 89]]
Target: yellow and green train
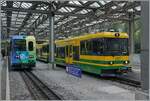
[[42, 51], [104, 53]]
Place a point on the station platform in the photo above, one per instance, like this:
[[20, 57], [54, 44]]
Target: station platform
[[135, 63], [3, 79], [0, 75], [87, 87], [73, 88]]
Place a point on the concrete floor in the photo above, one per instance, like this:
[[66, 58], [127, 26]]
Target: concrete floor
[[3, 78], [87, 87], [136, 68], [1, 62]]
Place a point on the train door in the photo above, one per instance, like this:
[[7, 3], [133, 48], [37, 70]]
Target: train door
[[31, 47], [69, 54], [76, 54]]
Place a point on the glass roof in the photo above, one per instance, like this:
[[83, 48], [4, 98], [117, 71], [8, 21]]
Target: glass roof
[[67, 13], [26, 5], [95, 5]]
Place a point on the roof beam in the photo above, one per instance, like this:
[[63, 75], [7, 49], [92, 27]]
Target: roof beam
[[5, 27], [33, 7], [9, 14], [39, 21], [80, 6], [74, 11], [102, 16]]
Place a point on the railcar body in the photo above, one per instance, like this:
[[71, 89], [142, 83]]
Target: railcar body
[[23, 52], [42, 51], [104, 53]]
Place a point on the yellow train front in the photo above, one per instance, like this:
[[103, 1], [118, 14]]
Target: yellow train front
[[103, 53]]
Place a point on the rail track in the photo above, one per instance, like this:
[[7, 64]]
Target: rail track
[[121, 80], [127, 81], [37, 88]]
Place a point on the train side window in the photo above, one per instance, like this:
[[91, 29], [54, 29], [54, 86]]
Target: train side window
[[67, 52], [89, 47], [30, 46], [76, 52], [82, 48], [98, 46], [60, 52]]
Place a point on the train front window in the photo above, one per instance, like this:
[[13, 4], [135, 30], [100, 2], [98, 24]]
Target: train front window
[[30, 45], [19, 45], [116, 46], [45, 49]]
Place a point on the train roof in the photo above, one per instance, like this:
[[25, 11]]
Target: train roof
[[30, 37], [18, 37], [97, 35], [22, 37]]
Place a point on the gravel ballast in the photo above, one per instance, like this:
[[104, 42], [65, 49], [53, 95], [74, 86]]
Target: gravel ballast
[[18, 89]]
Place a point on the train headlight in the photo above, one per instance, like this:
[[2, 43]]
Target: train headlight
[[17, 56], [111, 62], [126, 62], [31, 56], [117, 34]]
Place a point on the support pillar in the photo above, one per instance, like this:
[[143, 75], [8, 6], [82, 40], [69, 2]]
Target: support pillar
[[51, 40], [145, 47], [0, 36], [131, 33], [144, 95]]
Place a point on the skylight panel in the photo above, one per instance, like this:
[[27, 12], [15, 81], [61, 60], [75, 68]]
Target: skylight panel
[[84, 1], [99, 21], [114, 7], [107, 1], [83, 11], [4, 18], [130, 10], [22, 13], [77, 2], [63, 10], [18, 23], [138, 8], [13, 20], [14, 15], [2, 14], [26, 5], [122, 4], [102, 2], [19, 20], [43, 8], [94, 22], [3, 3], [16, 4], [35, 17], [70, 2], [13, 12], [95, 5], [70, 9]]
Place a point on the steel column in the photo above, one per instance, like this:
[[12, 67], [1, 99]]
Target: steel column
[[144, 52], [145, 46], [0, 53], [131, 34], [51, 40]]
